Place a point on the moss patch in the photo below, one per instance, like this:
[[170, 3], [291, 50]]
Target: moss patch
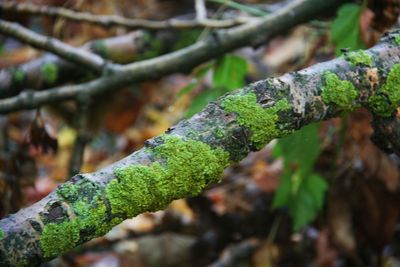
[[49, 72], [338, 92], [99, 48], [1, 234], [387, 98], [261, 122], [18, 75], [358, 58], [186, 167], [90, 216], [397, 39], [58, 238]]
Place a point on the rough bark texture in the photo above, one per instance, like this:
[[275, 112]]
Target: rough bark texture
[[194, 153]]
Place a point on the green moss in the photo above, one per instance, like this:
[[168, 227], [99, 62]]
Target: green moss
[[186, 168], [338, 92], [100, 48], [262, 122], [387, 98], [68, 191], [397, 39], [90, 216], [1, 234], [58, 238], [49, 72], [151, 47], [358, 58], [219, 133], [18, 75]]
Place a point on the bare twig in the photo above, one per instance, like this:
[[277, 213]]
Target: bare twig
[[214, 45], [201, 11], [70, 53], [112, 20], [82, 138]]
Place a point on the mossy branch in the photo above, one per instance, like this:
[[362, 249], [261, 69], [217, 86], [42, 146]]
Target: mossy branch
[[193, 154]]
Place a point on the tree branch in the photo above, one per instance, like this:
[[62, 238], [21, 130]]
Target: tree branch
[[120, 49], [70, 53], [216, 44], [194, 153], [112, 20]]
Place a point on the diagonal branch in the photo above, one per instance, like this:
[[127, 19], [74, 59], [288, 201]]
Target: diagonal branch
[[113, 20], [70, 53], [194, 153], [216, 44]]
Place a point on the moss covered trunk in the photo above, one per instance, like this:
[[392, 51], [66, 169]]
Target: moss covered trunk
[[194, 153]]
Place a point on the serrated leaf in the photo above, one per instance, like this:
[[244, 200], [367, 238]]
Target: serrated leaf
[[230, 72], [345, 30]]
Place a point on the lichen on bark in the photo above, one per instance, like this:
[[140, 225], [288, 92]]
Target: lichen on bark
[[184, 168], [338, 92], [387, 98], [261, 122], [90, 215], [358, 58]]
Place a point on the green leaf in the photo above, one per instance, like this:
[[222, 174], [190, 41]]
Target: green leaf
[[230, 72], [302, 209], [345, 29], [316, 186], [301, 190], [301, 148], [283, 193]]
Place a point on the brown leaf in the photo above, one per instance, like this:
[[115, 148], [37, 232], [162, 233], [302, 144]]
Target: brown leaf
[[38, 139]]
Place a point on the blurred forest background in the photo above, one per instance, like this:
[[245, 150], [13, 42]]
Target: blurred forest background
[[343, 206]]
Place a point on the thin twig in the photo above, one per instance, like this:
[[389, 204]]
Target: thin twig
[[70, 53], [113, 20], [82, 138], [182, 60], [201, 11]]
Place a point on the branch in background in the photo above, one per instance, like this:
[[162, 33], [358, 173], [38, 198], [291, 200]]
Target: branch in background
[[387, 134], [213, 46], [245, 8], [82, 137], [112, 20], [70, 53], [194, 153], [201, 11], [50, 70]]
